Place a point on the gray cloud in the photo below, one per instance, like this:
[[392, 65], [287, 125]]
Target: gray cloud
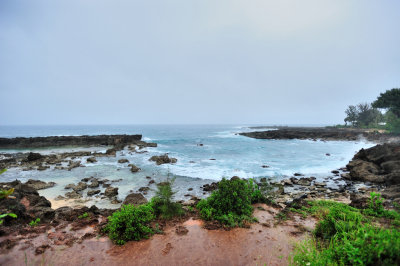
[[126, 62]]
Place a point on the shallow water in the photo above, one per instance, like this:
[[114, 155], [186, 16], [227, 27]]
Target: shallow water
[[233, 154]]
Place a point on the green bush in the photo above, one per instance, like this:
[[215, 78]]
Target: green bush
[[130, 223], [230, 204], [163, 203]]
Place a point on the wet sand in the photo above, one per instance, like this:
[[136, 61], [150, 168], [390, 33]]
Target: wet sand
[[261, 244]]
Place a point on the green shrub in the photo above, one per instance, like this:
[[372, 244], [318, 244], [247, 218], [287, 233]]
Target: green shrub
[[376, 209], [375, 203], [163, 203], [344, 236], [338, 220], [130, 223], [230, 203]]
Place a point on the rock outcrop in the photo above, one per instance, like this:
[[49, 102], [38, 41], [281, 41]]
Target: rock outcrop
[[379, 164], [135, 199], [38, 185], [26, 203], [162, 159], [322, 133], [55, 141]]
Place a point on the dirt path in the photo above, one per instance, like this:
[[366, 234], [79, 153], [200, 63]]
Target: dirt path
[[262, 244]]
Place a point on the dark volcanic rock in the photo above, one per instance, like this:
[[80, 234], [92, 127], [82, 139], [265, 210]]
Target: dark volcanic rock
[[210, 187], [36, 142], [359, 201], [91, 160], [80, 186], [320, 133], [112, 152], [33, 156], [94, 184], [162, 159], [93, 192], [26, 203], [123, 161], [379, 164], [37, 184], [73, 195], [135, 199], [111, 192], [134, 168]]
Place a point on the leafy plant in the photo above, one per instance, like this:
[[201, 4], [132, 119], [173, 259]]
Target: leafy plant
[[34, 223], [2, 171], [230, 204], [83, 216], [6, 193], [130, 223], [163, 203], [375, 203], [2, 216]]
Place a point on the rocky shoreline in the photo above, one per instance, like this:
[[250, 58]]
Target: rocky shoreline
[[322, 133], [375, 169]]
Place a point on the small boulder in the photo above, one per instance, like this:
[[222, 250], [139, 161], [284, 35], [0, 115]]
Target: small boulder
[[94, 184], [91, 160], [163, 159], [37, 184], [135, 199], [134, 168], [144, 189], [111, 192], [32, 156], [123, 161], [304, 182], [111, 152], [80, 186], [93, 192], [73, 195]]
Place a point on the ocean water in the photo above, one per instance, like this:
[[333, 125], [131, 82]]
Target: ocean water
[[223, 154]]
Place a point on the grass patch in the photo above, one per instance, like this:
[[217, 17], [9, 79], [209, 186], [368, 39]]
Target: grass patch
[[347, 236]]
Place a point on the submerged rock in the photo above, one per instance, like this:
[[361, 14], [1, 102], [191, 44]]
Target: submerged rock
[[123, 161], [134, 168]]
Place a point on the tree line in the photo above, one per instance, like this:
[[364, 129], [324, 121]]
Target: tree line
[[369, 115]]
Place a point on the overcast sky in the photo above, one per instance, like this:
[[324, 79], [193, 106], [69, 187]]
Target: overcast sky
[[194, 61]]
